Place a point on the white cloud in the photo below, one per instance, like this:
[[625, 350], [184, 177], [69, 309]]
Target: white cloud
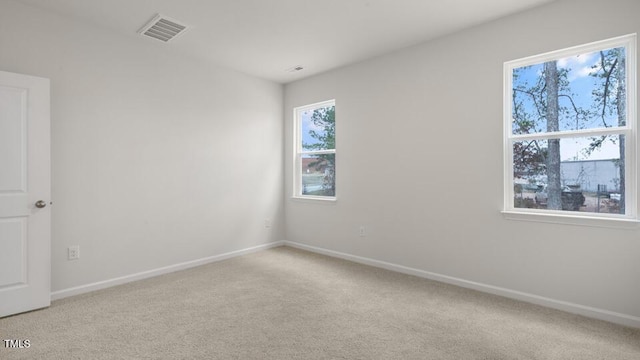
[[578, 60], [585, 71], [579, 65]]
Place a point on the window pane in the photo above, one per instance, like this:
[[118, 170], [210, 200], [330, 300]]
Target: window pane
[[318, 128], [318, 175], [585, 91], [590, 173]]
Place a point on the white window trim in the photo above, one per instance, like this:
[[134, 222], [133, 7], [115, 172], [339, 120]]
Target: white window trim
[[627, 220], [298, 152]]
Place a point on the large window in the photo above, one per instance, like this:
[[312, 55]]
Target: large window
[[315, 151], [570, 131]]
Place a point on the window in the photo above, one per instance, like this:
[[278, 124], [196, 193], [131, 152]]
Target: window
[[570, 125], [315, 151]]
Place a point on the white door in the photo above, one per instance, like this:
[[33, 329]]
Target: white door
[[25, 194]]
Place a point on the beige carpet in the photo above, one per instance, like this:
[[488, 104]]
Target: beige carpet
[[285, 303]]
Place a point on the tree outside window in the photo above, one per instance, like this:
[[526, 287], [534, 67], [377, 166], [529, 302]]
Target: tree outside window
[[568, 129], [315, 175]]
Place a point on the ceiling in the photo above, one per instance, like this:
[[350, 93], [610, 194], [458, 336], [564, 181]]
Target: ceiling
[[266, 38]]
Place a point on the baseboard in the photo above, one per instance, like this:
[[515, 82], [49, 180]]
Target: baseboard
[[600, 314], [60, 294]]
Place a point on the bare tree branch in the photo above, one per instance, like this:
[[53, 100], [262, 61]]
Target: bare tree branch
[[535, 102], [608, 74]]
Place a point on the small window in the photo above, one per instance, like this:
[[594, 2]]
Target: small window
[[315, 151], [570, 131]]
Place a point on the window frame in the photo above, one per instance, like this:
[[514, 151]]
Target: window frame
[[299, 152], [629, 130]]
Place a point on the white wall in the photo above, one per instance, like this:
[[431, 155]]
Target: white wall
[[157, 159], [419, 146]]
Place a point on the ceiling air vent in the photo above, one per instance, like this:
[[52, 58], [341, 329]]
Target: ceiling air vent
[[163, 28]]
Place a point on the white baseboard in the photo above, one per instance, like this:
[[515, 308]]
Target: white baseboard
[[601, 314], [60, 294]]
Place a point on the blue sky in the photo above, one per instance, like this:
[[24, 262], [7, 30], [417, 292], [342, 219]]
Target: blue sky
[[307, 126], [581, 86]]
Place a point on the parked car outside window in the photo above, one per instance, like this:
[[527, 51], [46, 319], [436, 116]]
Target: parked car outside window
[[572, 199]]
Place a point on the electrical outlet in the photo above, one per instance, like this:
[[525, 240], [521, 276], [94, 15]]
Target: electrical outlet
[[73, 252], [362, 231], [267, 223]]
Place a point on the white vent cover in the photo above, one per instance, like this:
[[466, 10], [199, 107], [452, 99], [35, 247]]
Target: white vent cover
[[163, 28]]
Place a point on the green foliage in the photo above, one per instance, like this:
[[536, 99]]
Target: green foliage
[[325, 119]]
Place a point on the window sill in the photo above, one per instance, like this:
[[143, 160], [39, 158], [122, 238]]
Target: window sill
[[571, 219], [320, 199]]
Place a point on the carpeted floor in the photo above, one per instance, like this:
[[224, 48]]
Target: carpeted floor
[[285, 303]]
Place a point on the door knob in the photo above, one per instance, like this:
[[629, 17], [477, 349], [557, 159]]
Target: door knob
[[40, 204]]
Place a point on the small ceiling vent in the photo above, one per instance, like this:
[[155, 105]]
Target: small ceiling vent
[[163, 28]]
